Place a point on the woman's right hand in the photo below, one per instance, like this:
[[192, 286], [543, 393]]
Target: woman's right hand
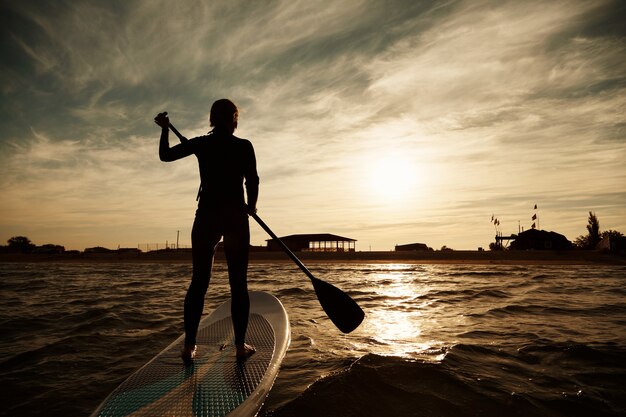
[[162, 120]]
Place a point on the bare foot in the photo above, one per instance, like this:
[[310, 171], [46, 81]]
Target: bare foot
[[244, 351], [188, 353]]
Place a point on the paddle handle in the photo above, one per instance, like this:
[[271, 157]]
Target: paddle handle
[[177, 133], [285, 248]]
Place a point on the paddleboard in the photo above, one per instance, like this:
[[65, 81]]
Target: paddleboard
[[215, 384]]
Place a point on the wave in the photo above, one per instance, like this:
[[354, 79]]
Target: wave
[[543, 310], [470, 273], [293, 291], [503, 335], [470, 293], [471, 380]]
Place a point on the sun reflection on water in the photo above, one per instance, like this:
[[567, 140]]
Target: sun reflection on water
[[395, 325]]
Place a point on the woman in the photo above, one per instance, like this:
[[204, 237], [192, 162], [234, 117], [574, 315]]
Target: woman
[[225, 162]]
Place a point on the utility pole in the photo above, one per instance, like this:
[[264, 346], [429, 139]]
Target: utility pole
[[177, 236]]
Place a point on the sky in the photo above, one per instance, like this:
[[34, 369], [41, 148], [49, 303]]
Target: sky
[[387, 122]]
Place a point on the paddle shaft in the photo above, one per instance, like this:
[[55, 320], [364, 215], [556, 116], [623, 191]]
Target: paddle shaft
[[177, 133], [285, 248]]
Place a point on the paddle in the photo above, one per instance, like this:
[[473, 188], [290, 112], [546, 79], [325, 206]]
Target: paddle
[[177, 133], [342, 310]]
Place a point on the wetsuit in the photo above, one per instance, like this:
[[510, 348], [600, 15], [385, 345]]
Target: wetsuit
[[225, 163]]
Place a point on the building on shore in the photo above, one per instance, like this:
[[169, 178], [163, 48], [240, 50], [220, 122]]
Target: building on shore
[[98, 249], [534, 239], [321, 242], [412, 247]]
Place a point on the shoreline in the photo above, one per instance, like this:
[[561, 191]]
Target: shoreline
[[414, 257]]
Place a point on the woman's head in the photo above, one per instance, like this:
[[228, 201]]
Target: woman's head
[[224, 115]]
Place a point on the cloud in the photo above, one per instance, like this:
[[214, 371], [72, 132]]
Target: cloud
[[70, 185], [493, 103]]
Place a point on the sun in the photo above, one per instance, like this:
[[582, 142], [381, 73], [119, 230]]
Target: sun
[[393, 177]]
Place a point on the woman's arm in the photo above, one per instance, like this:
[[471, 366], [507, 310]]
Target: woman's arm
[[167, 154], [252, 180]]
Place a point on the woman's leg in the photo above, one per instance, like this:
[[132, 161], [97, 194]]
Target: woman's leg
[[203, 240], [236, 247]]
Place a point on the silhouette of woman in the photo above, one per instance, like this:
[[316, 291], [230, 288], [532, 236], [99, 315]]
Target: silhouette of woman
[[225, 162]]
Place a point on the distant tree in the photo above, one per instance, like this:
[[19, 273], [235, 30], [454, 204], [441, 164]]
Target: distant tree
[[593, 229], [20, 244], [445, 248], [581, 242], [611, 234], [593, 236]]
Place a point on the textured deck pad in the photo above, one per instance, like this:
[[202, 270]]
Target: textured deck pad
[[214, 385]]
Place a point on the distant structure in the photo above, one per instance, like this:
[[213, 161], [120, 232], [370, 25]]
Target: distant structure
[[412, 247], [135, 251], [98, 249], [151, 247], [322, 242], [49, 248], [534, 239], [535, 219], [500, 238], [503, 241], [613, 244]]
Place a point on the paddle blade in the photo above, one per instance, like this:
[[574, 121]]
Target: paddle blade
[[342, 310]]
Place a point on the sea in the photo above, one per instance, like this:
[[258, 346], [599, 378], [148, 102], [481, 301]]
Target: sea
[[437, 340]]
